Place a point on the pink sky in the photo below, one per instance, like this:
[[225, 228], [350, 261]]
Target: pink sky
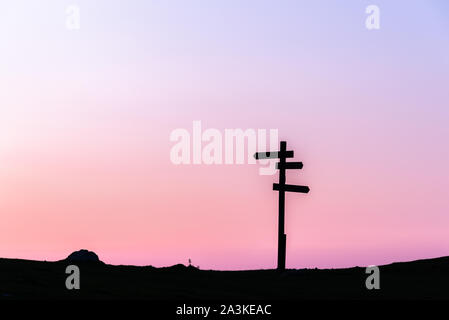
[[85, 120]]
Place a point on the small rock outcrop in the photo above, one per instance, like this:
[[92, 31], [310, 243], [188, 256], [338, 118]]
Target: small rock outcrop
[[83, 256]]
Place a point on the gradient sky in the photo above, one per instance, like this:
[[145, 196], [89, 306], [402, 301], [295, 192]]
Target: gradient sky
[[85, 119]]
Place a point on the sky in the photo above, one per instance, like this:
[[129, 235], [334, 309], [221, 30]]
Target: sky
[[86, 117]]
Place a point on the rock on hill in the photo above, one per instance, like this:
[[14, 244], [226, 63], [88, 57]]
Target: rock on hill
[[83, 255]]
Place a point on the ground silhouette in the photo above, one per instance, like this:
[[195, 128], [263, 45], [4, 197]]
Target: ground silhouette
[[27, 279]]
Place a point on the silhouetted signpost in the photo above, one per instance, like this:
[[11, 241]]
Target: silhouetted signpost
[[282, 165]]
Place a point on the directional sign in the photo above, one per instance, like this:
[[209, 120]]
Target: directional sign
[[291, 188], [273, 155], [289, 165], [282, 165]]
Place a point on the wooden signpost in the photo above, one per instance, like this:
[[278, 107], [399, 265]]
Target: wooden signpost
[[282, 165]]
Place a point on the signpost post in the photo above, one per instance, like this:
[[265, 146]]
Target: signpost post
[[282, 165]]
